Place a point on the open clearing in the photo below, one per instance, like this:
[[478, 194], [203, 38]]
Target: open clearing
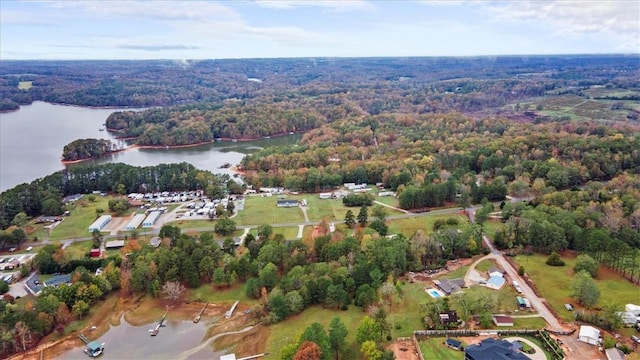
[[554, 284]]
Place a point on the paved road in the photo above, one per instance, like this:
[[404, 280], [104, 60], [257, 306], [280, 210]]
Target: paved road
[[577, 350]]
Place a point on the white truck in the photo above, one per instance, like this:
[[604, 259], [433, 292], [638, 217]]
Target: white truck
[[516, 285]]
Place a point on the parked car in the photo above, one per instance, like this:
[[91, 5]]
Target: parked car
[[568, 307], [29, 248], [12, 249]]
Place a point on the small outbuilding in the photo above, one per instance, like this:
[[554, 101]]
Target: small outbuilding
[[114, 244], [454, 344], [589, 335], [287, 203], [502, 320], [95, 253], [614, 354]]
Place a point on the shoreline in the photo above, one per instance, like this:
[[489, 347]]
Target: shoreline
[[169, 147], [137, 313]]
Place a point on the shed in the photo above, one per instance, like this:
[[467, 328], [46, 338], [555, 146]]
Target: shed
[[287, 203], [100, 223], [502, 320], [151, 219], [326, 195], [521, 302], [589, 334], [114, 244], [614, 354], [135, 222], [95, 253], [454, 344]]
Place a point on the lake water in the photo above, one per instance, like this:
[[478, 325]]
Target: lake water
[[180, 339], [32, 139]]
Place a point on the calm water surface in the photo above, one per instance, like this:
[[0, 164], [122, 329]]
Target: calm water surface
[[178, 340], [32, 139]]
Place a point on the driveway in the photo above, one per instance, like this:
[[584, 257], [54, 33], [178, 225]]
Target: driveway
[[538, 355]]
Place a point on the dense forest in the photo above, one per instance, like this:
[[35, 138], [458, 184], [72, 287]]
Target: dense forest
[[81, 149]]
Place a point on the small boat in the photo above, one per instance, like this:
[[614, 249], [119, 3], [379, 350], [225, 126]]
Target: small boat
[[224, 166], [94, 348], [101, 129]]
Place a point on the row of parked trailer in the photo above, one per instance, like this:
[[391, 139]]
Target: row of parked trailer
[[166, 196]]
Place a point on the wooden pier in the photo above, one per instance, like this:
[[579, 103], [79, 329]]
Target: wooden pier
[[199, 316], [228, 314], [156, 330]]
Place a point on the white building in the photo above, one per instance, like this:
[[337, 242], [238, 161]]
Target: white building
[[135, 222], [151, 219], [589, 335], [100, 223], [326, 195]]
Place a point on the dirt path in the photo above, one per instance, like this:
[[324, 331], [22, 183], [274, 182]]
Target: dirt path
[[404, 349]]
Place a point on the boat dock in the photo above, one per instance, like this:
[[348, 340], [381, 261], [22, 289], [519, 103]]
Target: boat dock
[[199, 316], [228, 314], [156, 330]]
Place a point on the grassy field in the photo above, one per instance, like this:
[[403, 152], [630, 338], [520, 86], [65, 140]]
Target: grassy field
[[405, 316], [263, 210], [82, 215], [289, 233], [529, 323], [492, 226], [389, 200], [484, 265], [210, 293], [290, 330], [79, 249], [25, 85], [434, 348], [457, 273], [554, 284], [409, 226]]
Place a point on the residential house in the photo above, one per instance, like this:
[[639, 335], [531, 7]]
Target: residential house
[[449, 286], [493, 349], [449, 317]]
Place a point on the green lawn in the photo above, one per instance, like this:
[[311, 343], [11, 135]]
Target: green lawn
[[210, 293], [455, 274], [554, 283], [404, 316], [409, 226], [79, 249], [492, 226], [83, 214], [529, 323], [434, 348], [263, 210], [389, 200], [289, 331], [484, 265]]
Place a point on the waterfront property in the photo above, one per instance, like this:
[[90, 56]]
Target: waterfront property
[[135, 222], [100, 223]]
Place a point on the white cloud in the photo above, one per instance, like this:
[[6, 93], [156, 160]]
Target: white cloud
[[617, 18], [159, 10], [575, 16], [331, 6]]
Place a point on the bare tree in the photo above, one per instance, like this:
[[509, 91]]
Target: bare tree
[[23, 333], [172, 290]]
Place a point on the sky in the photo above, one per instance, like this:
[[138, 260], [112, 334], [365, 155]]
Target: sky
[[144, 29]]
